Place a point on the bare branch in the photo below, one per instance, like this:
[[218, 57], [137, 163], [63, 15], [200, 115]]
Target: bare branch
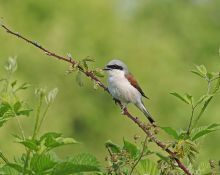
[[94, 78]]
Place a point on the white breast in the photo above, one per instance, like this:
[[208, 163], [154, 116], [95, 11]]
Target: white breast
[[121, 89]]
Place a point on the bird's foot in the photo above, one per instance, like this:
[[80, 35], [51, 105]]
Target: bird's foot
[[116, 101], [123, 110]]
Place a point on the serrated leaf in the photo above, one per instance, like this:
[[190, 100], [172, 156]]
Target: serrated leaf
[[197, 73], [147, 167], [131, 148], [7, 170], [182, 98], [53, 140], [29, 143], [78, 164], [202, 69], [204, 130], [17, 167], [203, 133], [112, 146], [42, 163], [172, 132]]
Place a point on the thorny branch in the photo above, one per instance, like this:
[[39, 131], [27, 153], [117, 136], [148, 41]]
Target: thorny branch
[[91, 75]]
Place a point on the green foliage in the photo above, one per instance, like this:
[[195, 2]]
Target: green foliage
[[146, 166], [39, 158], [77, 164]]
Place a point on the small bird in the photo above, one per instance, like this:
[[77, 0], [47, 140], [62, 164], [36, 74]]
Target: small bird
[[123, 86]]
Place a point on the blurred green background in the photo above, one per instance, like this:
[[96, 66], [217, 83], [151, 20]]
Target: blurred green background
[[160, 40]]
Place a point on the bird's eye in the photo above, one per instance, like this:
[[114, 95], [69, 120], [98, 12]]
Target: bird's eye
[[115, 66]]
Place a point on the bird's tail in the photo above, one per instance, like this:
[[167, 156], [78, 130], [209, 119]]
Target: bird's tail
[[146, 112]]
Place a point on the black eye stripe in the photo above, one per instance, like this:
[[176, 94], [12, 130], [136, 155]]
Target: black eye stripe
[[115, 67]]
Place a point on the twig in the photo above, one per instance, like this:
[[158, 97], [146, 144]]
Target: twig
[[94, 78]]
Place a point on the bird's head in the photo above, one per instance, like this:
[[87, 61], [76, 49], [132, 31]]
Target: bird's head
[[116, 67]]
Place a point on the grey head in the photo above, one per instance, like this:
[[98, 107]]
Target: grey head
[[116, 65]]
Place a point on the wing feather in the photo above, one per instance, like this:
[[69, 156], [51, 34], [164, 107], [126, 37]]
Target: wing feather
[[135, 84]]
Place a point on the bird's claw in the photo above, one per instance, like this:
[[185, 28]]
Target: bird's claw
[[116, 101]]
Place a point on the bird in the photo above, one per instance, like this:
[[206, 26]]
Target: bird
[[124, 87]]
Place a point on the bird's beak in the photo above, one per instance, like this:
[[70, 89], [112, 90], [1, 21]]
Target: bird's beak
[[105, 69]]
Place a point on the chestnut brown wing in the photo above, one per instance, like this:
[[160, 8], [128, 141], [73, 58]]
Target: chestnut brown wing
[[135, 84]]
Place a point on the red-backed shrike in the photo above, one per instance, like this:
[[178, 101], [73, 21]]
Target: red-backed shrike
[[123, 86]]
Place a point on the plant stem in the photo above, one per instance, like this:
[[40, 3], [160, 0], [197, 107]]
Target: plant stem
[[34, 133], [43, 118], [140, 157], [20, 127], [209, 87], [190, 122], [37, 117], [205, 104]]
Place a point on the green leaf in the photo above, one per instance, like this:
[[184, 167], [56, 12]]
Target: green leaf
[[23, 86], [8, 170], [20, 109], [112, 146], [203, 99], [197, 73], [132, 149], [182, 98], [52, 140], [6, 112], [29, 143], [172, 132], [78, 164], [212, 126], [42, 163], [202, 69], [79, 79], [17, 167], [166, 159], [89, 59], [217, 85], [99, 72], [207, 101], [147, 167], [202, 133]]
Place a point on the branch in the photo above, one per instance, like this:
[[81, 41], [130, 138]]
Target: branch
[[91, 75]]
